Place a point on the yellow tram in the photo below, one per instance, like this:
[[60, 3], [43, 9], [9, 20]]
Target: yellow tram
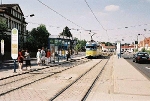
[[93, 49]]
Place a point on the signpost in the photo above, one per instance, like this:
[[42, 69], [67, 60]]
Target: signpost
[[118, 51], [14, 46], [2, 47]]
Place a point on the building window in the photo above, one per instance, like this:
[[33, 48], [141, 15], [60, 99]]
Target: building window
[[9, 23], [13, 12], [12, 24], [19, 27], [17, 8]]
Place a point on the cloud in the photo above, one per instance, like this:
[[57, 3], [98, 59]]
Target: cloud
[[102, 14], [112, 8]]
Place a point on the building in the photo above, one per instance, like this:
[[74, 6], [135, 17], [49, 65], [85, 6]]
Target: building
[[108, 48], [14, 18], [128, 48], [145, 44]]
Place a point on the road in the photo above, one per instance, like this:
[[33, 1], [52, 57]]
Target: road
[[144, 68]]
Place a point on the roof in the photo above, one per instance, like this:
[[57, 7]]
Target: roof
[[6, 6]]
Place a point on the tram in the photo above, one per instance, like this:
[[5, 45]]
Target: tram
[[93, 49]]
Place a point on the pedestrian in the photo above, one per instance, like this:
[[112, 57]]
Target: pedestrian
[[20, 59], [38, 56], [60, 54], [48, 55], [27, 59], [43, 53], [63, 53], [118, 55], [67, 54]]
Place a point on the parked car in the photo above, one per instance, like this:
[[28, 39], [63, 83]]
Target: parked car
[[141, 57]]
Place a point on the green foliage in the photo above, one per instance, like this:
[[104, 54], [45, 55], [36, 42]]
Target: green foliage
[[80, 46], [148, 51], [108, 44], [4, 36], [3, 27], [66, 32], [103, 42], [143, 50], [37, 38], [136, 50]]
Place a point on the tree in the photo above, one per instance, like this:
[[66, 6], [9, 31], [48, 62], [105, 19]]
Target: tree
[[37, 38], [108, 44], [4, 36], [3, 28], [80, 46], [143, 50], [66, 32]]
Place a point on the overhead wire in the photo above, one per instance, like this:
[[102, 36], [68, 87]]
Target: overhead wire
[[94, 30], [96, 18], [94, 15], [81, 28], [132, 26], [59, 14]]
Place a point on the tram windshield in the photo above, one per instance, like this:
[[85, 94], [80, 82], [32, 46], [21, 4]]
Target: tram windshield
[[90, 47]]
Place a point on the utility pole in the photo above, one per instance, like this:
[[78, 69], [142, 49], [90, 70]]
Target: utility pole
[[137, 41]]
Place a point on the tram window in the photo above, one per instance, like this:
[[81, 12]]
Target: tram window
[[90, 47]]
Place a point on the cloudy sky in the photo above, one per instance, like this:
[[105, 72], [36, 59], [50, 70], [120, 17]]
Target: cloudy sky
[[111, 20]]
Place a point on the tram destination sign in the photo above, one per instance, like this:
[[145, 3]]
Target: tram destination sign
[[14, 43]]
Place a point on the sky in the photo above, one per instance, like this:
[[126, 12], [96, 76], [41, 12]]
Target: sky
[[108, 20]]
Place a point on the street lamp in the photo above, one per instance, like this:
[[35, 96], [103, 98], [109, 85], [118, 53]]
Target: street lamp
[[22, 30], [137, 41]]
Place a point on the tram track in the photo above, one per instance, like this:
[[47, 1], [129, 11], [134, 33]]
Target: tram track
[[13, 83], [82, 86]]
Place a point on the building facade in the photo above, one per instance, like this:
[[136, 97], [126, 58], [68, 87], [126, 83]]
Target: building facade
[[14, 18], [145, 44]]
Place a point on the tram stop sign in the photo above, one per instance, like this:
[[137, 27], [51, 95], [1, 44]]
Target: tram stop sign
[[14, 43], [2, 47]]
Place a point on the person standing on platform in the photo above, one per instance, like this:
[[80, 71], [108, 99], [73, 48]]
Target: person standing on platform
[[20, 59], [68, 54], [27, 57], [38, 55], [48, 55], [43, 53], [118, 55]]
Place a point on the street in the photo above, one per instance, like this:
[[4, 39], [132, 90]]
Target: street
[[143, 68]]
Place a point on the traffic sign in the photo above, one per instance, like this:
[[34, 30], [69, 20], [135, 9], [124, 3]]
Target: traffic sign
[[2, 47], [14, 43]]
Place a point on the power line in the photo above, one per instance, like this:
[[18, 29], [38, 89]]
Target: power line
[[96, 18], [62, 27], [133, 26], [59, 14], [94, 15]]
